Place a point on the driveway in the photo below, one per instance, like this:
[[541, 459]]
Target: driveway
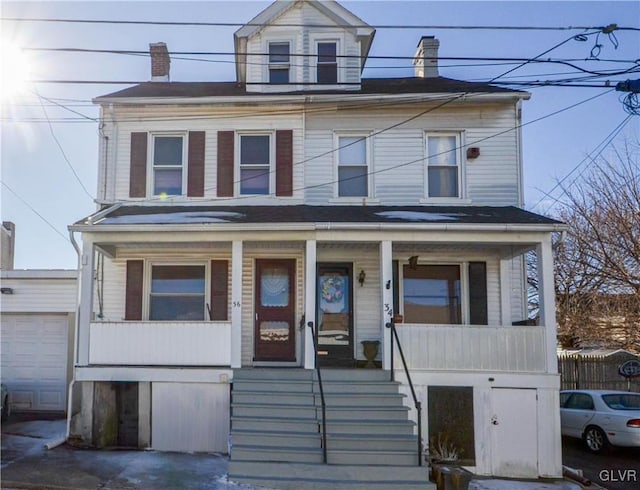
[[618, 469], [25, 463]]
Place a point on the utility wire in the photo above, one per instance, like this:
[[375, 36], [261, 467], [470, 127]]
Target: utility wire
[[64, 155], [33, 209], [590, 157], [328, 26]]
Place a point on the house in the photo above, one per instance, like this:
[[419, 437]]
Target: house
[[241, 222], [37, 324]]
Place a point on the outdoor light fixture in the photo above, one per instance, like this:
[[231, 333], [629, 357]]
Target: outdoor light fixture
[[6, 290], [361, 277], [413, 262]]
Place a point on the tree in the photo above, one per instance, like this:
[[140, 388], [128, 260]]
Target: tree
[[597, 262]]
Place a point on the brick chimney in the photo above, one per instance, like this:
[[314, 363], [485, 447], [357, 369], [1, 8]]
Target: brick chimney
[[425, 62], [160, 62]]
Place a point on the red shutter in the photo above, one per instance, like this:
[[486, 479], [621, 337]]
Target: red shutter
[[284, 163], [195, 169], [133, 295], [225, 163], [219, 290], [138, 168]]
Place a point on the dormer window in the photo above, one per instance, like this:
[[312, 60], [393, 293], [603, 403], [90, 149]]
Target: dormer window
[[279, 64], [327, 65]]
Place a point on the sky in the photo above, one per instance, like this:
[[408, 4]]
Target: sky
[[49, 132]]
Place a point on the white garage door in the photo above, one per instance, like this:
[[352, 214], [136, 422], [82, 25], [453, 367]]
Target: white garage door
[[34, 360]]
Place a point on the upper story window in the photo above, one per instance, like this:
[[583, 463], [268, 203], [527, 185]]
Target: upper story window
[[327, 62], [443, 165], [279, 62], [167, 162], [177, 292], [255, 163], [353, 168]]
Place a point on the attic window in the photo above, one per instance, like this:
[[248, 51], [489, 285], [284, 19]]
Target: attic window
[[279, 63], [327, 67]]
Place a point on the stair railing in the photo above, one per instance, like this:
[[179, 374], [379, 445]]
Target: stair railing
[[324, 405], [417, 403]]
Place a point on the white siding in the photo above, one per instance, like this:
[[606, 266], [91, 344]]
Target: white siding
[[191, 417], [39, 294]]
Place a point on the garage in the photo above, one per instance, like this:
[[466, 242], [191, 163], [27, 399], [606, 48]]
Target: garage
[[34, 360]]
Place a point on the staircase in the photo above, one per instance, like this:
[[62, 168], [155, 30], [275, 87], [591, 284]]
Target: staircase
[[276, 426]]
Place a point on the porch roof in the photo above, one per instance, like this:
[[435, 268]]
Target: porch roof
[[307, 214]]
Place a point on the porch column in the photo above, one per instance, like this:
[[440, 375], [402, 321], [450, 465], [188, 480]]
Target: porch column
[[546, 293], [85, 308], [386, 300], [505, 291], [236, 304], [310, 303]]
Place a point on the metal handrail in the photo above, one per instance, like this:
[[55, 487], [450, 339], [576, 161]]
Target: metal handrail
[[417, 403], [324, 405]]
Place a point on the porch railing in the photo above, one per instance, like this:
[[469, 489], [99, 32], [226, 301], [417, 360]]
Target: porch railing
[[322, 401], [417, 403]]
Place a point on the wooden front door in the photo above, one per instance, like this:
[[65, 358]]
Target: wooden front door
[[275, 310], [335, 315]]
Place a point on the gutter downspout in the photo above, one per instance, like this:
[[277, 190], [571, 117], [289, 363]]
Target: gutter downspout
[[57, 442]]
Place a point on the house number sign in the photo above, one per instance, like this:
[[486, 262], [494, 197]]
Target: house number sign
[[630, 369]]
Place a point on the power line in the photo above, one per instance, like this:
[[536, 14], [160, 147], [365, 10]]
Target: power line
[[301, 25], [64, 155], [36, 212], [602, 145]]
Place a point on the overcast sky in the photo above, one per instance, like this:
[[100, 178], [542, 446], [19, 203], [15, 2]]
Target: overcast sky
[[49, 153]]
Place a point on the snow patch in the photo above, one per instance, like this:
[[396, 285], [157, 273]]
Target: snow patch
[[419, 216], [185, 217]]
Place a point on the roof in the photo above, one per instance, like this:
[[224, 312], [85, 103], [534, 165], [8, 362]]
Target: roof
[[410, 215], [368, 86]]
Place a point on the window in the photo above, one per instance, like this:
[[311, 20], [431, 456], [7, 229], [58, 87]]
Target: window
[[432, 294], [279, 63], [167, 163], [443, 163], [327, 64], [255, 159], [580, 401], [353, 178], [177, 292]]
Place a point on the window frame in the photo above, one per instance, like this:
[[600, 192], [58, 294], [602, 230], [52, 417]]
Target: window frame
[[238, 162], [278, 65], [460, 165], [465, 312], [368, 164], [151, 167], [148, 277], [317, 63]]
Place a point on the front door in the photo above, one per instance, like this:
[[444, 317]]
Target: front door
[[275, 310], [335, 315]]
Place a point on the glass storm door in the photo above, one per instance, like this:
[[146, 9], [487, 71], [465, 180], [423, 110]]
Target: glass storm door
[[335, 315], [275, 310]]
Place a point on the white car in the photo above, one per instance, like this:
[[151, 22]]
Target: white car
[[601, 418]]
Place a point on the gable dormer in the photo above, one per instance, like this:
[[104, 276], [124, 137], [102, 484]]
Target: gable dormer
[[296, 45]]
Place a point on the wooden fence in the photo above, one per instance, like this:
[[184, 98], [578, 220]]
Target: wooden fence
[[595, 372]]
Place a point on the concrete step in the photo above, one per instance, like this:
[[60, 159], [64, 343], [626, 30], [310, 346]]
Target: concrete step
[[362, 399], [358, 412], [362, 442], [368, 426], [271, 398], [372, 457], [275, 438], [287, 386], [294, 476], [287, 454], [278, 374], [349, 386], [278, 424], [333, 374], [273, 410]]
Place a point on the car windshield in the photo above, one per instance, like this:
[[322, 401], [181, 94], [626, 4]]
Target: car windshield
[[622, 401]]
